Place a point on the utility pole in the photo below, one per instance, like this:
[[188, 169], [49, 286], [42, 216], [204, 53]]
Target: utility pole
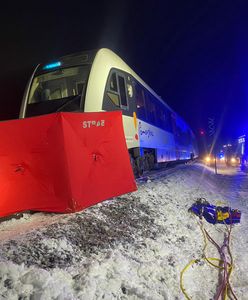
[[215, 163], [211, 133]]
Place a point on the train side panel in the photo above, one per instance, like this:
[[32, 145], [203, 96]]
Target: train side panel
[[152, 137]]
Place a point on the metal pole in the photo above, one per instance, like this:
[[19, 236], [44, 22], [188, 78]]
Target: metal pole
[[215, 163]]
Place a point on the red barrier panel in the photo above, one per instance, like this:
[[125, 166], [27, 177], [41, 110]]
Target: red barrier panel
[[63, 162]]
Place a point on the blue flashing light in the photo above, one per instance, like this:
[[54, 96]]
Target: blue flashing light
[[52, 65]]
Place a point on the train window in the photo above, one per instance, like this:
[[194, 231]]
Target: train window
[[113, 83], [112, 90], [151, 110], [114, 98], [122, 88], [130, 90], [160, 115], [56, 94], [79, 88], [168, 121], [59, 84], [129, 83], [140, 102]]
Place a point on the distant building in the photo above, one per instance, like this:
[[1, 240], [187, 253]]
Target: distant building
[[242, 151]]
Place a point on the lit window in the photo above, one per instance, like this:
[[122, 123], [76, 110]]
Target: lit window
[[122, 88], [113, 83]]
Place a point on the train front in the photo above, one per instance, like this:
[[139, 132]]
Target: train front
[[57, 86]]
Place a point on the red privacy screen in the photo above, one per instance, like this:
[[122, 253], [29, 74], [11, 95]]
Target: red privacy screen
[[63, 162]]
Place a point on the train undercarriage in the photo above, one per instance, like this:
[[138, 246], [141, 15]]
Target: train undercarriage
[[141, 163]]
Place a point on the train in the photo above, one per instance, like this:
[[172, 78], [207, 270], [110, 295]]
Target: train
[[99, 80]]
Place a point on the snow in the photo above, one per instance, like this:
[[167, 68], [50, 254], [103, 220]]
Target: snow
[[130, 247]]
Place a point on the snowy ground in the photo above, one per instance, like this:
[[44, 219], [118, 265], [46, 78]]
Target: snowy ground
[[130, 247]]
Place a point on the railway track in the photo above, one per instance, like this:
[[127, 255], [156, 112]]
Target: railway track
[[158, 173]]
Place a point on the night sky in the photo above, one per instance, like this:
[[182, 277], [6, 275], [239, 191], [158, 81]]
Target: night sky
[[194, 54]]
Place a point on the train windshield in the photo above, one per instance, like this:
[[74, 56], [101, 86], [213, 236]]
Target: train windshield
[[59, 90]]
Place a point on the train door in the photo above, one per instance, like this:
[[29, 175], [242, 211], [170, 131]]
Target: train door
[[119, 93]]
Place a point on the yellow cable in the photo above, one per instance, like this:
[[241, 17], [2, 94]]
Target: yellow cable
[[191, 263], [208, 259]]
